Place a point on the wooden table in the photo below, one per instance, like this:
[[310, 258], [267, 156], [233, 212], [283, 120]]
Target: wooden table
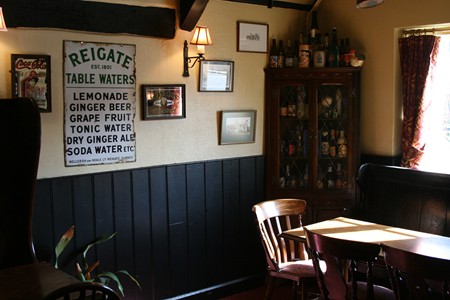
[[350, 229], [33, 281]]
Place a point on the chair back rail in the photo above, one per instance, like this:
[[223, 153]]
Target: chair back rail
[[83, 291], [285, 258], [341, 256], [275, 217]]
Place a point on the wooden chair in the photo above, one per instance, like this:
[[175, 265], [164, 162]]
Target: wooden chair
[[83, 291], [20, 132], [415, 276], [285, 259], [340, 279]]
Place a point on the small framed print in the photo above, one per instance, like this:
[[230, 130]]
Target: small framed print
[[30, 77], [252, 37], [216, 76], [163, 101], [237, 127]]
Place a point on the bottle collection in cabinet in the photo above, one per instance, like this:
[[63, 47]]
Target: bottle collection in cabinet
[[312, 135]]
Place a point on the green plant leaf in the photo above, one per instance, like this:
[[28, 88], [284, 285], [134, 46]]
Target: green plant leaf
[[114, 277], [131, 277], [63, 242], [100, 240]]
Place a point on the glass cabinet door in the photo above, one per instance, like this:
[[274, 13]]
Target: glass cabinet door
[[332, 126], [293, 137]]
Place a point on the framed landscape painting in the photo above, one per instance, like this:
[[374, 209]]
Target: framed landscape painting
[[237, 127]]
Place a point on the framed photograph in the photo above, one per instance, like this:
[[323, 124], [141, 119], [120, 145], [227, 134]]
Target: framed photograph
[[164, 101], [252, 37], [237, 127], [30, 77], [216, 76]]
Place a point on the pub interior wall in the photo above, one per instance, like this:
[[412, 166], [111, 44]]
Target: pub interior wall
[[159, 61]]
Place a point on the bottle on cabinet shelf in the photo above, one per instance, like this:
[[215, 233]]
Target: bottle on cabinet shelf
[[280, 54], [338, 183], [273, 55], [319, 53], [333, 51], [287, 178], [330, 177], [326, 47], [295, 51], [304, 56], [341, 144], [298, 137], [302, 109], [289, 58], [324, 143], [332, 150]]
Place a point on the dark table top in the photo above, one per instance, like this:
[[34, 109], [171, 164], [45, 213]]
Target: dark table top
[[32, 282]]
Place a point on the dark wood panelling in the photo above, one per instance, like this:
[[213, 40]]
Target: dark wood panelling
[[142, 227], [180, 228], [90, 16], [214, 222], [159, 271], [104, 218], [178, 231], [196, 215], [402, 197]]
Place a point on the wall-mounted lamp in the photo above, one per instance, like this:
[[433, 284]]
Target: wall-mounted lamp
[[368, 3], [2, 21], [201, 38]]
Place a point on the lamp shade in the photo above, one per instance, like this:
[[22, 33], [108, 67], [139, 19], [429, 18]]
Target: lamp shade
[[2, 21], [201, 36], [368, 3]]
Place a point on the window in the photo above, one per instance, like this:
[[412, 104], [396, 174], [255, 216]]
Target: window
[[437, 118]]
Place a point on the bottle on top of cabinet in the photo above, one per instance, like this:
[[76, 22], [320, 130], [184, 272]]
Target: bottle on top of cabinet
[[334, 51], [273, 55]]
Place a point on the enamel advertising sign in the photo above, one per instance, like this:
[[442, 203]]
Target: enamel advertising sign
[[100, 103]]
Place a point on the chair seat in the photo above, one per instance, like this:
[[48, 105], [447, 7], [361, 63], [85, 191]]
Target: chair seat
[[380, 292], [301, 268]]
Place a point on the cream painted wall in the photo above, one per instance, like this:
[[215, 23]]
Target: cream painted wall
[[375, 32], [159, 61]]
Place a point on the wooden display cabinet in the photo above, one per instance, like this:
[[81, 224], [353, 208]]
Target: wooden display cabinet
[[312, 143]]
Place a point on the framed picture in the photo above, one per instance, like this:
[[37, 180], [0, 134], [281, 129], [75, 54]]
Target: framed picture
[[237, 127], [252, 37], [30, 77], [216, 76], [164, 101]]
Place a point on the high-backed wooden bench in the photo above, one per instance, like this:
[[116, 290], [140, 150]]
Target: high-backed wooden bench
[[406, 198]]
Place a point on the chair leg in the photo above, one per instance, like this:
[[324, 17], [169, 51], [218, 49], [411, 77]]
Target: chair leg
[[269, 288], [295, 289], [303, 291]]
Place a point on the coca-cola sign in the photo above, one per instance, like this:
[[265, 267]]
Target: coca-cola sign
[[31, 79]]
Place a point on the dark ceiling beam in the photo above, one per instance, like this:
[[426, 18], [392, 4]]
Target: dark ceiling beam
[[90, 16], [190, 12], [281, 4]]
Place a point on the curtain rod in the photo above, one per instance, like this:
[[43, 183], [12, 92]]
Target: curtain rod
[[425, 31]]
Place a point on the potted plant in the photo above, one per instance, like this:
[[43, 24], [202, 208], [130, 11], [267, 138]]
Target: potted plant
[[85, 271]]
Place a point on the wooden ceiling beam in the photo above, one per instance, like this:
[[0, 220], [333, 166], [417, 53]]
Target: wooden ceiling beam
[[280, 4], [190, 13], [90, 16]]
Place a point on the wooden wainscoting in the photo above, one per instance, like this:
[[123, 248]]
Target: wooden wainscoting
[[180, 228]]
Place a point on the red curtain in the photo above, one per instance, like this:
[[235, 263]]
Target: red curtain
[[417, 55]]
